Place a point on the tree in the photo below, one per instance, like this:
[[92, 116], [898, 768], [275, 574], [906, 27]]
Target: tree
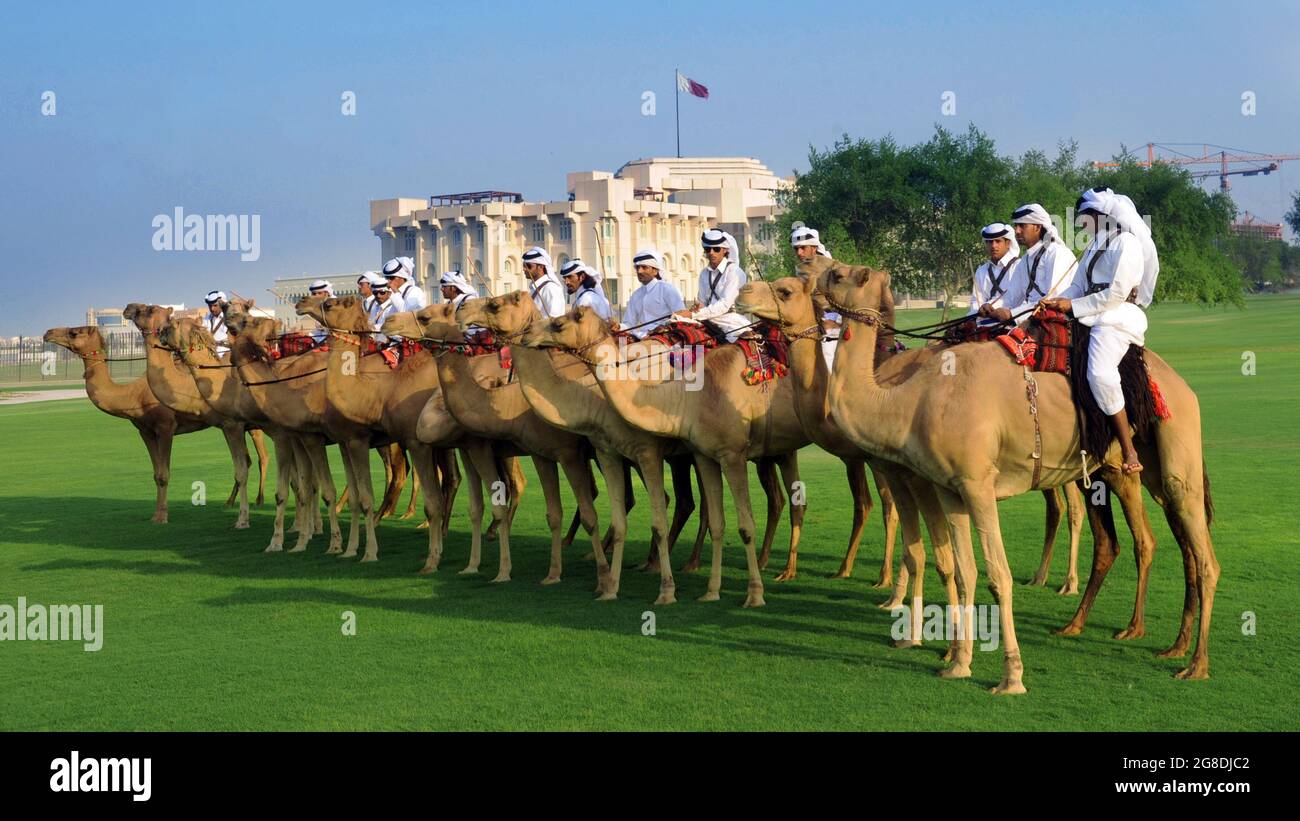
[[1293, 216]]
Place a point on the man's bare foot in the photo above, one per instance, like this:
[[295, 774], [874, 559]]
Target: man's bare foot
[[1131, 463]]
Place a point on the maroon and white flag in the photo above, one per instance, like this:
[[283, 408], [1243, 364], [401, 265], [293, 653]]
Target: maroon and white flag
[[691, 87]]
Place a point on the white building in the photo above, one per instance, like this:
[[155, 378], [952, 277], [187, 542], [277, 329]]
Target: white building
[[288, 290], [665, 203]]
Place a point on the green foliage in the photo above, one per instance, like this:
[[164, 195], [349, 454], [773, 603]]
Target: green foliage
[[1293, 216], [917, 210], [1265, 265]]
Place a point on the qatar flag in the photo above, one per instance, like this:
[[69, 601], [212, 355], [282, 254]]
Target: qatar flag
[[691, 87]]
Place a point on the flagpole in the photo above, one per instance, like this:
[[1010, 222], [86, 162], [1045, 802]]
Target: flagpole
[[677, 104]]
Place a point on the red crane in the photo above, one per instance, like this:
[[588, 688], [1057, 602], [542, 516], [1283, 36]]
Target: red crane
[[1226, 159]]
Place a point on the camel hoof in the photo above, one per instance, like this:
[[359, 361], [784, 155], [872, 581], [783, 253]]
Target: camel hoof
[[754, 596], [1194, 672], [667, 597], [1068, 630], [842, 573], [1131, 632], [649, 567], [1036, 582], [298, 548], [1008, 687], [369, 557], [690, 567], [785, 576], [469, 571], [948, 656], [955, 671], [882, 583], [552, 579], [422, 525], [427, 570], [159, 520], [1069, 589], [1175, 651], [241, 525], [607, 596], [501, 579], [712, 595], [348, 554], [892, 604], [273, 548], [906, 644], [334, 549]]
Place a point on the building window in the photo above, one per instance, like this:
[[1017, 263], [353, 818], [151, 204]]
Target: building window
[[608, 227], [455, 237], [609, 265], [478, 234], [539, 232], [566, 229], [410, 242], [509, 267]]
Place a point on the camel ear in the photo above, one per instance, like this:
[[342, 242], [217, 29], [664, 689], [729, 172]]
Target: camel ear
[[348, 301], [169, 312]]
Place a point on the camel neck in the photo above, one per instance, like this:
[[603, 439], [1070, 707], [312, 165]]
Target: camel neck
[[876, 418], [355, 384], [171, 383], [111, 397], [650, 404], [563, 401]]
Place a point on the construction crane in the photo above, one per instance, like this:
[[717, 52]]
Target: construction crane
[[1225, 158]]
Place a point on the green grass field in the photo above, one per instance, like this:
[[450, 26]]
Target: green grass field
[[203, 631]]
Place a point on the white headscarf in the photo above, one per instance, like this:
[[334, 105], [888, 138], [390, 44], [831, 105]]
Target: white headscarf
[[1000, 230], [456, 279], [399, 267], [321, 285], [649, 256], [1121, 210], [214, 297], [537, 255], [579, 267], [802, 235], [1035, 214]]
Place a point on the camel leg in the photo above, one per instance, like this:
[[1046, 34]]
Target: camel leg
[[652, 475], [693, 563], [617, 481], [981, 499], [259, 445], [856, 471], [683, 505], [1129, 489], [710, 473], [1182, 486], [317, 473], [475, 483], [789, 466], [449, 472], [303, 483], [1105, 549], [577, 516], [923, 496], [775, 504], [1074, 505], [239, 456], [415, 492], [736, 471], [546, 473], [396, 466], [360, 455], [1052, 497], [163, 470], [912, 547], [284, 467], [958, 523], [161, 475], [583, 482], [890, 519], [422, 460], [354, 505], [309, 480]]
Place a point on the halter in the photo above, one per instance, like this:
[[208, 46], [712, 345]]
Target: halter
[[812, 330], [867, 316]]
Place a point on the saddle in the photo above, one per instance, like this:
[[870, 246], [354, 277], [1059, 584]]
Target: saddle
[[293, 344], [477, 343], [767, 354]]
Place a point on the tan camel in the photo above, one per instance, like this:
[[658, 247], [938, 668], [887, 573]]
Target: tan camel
[[133, 401], [291, 392], [974, 460], [788, 303], [174, 387], [362, 388], [562, 391], [476, 395], [220, 386], [708, 405]]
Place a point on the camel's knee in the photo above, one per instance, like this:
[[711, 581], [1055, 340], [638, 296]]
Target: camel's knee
[[746, 535]]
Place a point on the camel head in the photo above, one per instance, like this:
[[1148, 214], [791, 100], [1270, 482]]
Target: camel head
[[80, 339], [342, 313], [786, 301], [432, 322], [853, 286], [504, 315], [310, 306], [257, 329], [187, 336], [150, 319], [579, 328]]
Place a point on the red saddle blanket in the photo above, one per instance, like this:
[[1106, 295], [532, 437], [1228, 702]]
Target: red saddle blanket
[[293, 344], [767, 353]]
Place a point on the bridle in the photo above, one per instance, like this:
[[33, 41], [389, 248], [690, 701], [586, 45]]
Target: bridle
[[867, 316], [812, 330]]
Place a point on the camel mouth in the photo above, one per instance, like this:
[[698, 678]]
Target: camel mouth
[[55, 335]]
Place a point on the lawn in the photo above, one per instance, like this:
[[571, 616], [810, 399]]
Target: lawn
[[203, 631]]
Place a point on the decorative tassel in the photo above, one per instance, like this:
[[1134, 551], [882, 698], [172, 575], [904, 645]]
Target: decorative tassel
[[1162, 408]]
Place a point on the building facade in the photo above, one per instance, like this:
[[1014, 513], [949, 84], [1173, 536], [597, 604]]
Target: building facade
[[289, 290], [665, 203], [1251, 226]]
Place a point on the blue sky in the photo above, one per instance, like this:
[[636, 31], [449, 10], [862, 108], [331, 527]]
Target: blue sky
[[235, 108]]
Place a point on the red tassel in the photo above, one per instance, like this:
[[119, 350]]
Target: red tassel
[[1162, 407], [846, 333], [503, 356]]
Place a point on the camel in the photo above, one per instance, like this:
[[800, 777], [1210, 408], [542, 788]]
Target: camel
[[725, 421], [296, 456], [788, 304], [291, 393], [475, 397], [571, 400], [923, 422], [174, 387], [363, 389], [133, 401]]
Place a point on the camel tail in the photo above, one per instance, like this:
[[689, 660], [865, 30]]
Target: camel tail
[[1209, 501]]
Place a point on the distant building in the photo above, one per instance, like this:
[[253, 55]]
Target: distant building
[[110, 321], [1249, 226], [605, 218], [288, 290]]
